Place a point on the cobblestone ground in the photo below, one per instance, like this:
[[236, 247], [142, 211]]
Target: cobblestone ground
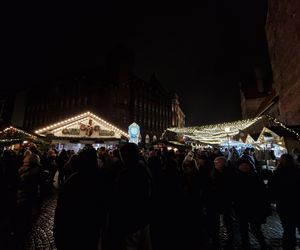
[[41, 236]]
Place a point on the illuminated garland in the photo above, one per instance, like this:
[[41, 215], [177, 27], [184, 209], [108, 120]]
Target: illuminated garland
[[216, 134], [13, 134], [71, 121], [283, 126], [9, 140]]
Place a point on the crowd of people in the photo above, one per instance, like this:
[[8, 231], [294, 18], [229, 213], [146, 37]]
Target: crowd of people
[[157, 199]]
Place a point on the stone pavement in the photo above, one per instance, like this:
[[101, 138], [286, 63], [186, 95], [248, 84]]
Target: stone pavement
[[41, 236]]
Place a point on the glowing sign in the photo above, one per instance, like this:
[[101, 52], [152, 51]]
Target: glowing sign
[[134, 132]]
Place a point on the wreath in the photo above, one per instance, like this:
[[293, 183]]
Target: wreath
[[65, 131], [82, 127]]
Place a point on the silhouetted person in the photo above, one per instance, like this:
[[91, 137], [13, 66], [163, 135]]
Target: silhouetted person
[[155, 167], [251, 203], [27, 193], [248, 156], [71, 166], [61, 160], [219, 200], [284, 186], [192, 204], [129, 217], [5, 208], [79, 215], [165, 228]]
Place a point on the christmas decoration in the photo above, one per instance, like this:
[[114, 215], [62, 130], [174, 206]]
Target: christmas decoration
[[221, 132]]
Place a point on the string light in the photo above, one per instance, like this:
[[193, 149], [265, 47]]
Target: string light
[[216, 134], [12, 129], [283, 126], [9, 140], [80, 118]]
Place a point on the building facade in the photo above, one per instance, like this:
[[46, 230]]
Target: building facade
[[283, 38], [252, 96], [283, 35], [115, 94]]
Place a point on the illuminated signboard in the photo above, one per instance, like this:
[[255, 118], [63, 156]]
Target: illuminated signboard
[[134, 132]]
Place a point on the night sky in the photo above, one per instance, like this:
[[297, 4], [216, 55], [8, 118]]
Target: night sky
[[200, 52]]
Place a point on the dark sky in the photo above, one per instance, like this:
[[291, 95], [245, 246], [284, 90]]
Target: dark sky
[[200, 52]]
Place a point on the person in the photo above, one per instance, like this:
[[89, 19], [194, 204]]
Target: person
[[27, 193], [251, 203], [29, 174], [51, 164], [129, 214], [61, 160], [248, 156], [79, 214], [218, 201], [296, 155], [284, 186], [71, 166], [233, 156]]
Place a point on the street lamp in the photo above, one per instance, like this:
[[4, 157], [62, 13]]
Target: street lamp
[[227, 130]]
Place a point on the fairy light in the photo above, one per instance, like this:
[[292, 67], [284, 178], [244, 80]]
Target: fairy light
[[9, 140], [69, 125], [79, 118], [11, 128], [283, 126], [216, 134]]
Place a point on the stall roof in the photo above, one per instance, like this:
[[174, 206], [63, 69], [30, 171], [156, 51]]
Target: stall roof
[[222, 132], [215, 133], [81, 125], [12, 134], [280, 131]]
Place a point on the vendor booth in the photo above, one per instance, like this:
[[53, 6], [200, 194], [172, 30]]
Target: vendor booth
[[271, 141], [13, 138], [75, 132], [265, 133]]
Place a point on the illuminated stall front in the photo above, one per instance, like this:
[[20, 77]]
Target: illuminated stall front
[[74, 133], [14, 138], [272, 134]]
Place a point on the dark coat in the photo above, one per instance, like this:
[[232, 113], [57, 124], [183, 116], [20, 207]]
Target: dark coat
[[130, 210], [219, 190], [284, 186], [79, 214], [251, 201]]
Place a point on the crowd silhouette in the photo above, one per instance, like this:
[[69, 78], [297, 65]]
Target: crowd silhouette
[[128, 199]]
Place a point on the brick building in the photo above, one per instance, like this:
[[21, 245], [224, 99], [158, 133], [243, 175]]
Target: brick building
[[283, 34], [283, 37]]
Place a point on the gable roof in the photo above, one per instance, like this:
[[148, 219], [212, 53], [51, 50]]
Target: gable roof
[[12, 134], [78, 120]]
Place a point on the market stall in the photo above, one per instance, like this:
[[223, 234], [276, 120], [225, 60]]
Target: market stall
[[75, 132], [240, 134], [13, 138]]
